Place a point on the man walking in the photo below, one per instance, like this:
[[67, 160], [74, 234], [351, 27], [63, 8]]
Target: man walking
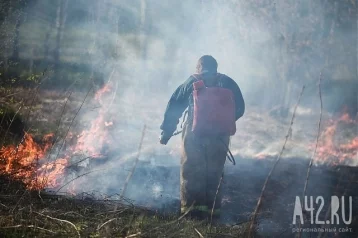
[[215, 103]]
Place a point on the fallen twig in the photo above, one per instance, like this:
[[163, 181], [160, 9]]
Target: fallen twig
[[109, 221], [167, 224], [60, 220], [274, 166], [186, 213], [30, 226], [134, 235], [71, 212], [200, 235], [221, 235]]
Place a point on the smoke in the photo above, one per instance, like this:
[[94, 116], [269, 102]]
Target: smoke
[[145, 49]]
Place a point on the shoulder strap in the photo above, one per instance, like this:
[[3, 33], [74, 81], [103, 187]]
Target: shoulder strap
[[196, 76], [219, 78], [198, 82]]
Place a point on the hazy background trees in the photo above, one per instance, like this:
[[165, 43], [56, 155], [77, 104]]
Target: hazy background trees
[[271, 48]]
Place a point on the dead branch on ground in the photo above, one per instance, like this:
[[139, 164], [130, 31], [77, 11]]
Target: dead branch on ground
[[60, 220]]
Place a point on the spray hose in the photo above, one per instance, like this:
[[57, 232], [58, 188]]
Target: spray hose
[[229, 155]]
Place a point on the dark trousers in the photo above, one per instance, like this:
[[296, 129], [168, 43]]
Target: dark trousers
[[202, 164]]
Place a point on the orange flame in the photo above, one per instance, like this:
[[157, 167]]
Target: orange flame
[[334, 152], [91, 141], [29, 161], [99, 94], [330, 149]]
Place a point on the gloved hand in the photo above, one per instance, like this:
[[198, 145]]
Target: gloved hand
[[164, 138]]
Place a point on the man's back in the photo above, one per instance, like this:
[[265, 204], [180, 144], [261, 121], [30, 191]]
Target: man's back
[[203, 157], [183, 98], [213, 107]]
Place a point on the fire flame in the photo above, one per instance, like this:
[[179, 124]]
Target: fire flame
[[30, 162], [331, 149], [93, 140], [337, 145]]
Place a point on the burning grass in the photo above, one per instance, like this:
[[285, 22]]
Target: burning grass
[[26, 163], [42, 164], [339, 142]]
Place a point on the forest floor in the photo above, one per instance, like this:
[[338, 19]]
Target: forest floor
[[31, 214], [259, 139]]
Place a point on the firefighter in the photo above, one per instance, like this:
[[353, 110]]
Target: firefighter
[[204, 152]]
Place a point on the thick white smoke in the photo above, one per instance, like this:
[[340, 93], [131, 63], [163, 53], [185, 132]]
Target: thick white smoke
[[147, 48]]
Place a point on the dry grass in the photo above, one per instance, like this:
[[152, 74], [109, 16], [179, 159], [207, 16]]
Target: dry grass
[[33, 214]]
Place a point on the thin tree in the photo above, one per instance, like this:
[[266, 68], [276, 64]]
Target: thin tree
[[60, 22]]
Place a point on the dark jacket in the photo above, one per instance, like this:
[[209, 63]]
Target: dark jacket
[[182, 98]]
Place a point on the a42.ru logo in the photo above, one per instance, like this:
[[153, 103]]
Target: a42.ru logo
[[338, 209]]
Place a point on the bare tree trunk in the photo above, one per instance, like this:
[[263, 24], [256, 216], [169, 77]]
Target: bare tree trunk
[[96, 16], [58, 32], [142, 33], [31, 66], [284, 64], [20, 18], [60, 22], [15, 49], [46, 44], [284, 78], [143, 39], [4, 47]]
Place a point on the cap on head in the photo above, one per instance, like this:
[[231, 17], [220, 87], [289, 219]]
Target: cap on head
[[207, 64]]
